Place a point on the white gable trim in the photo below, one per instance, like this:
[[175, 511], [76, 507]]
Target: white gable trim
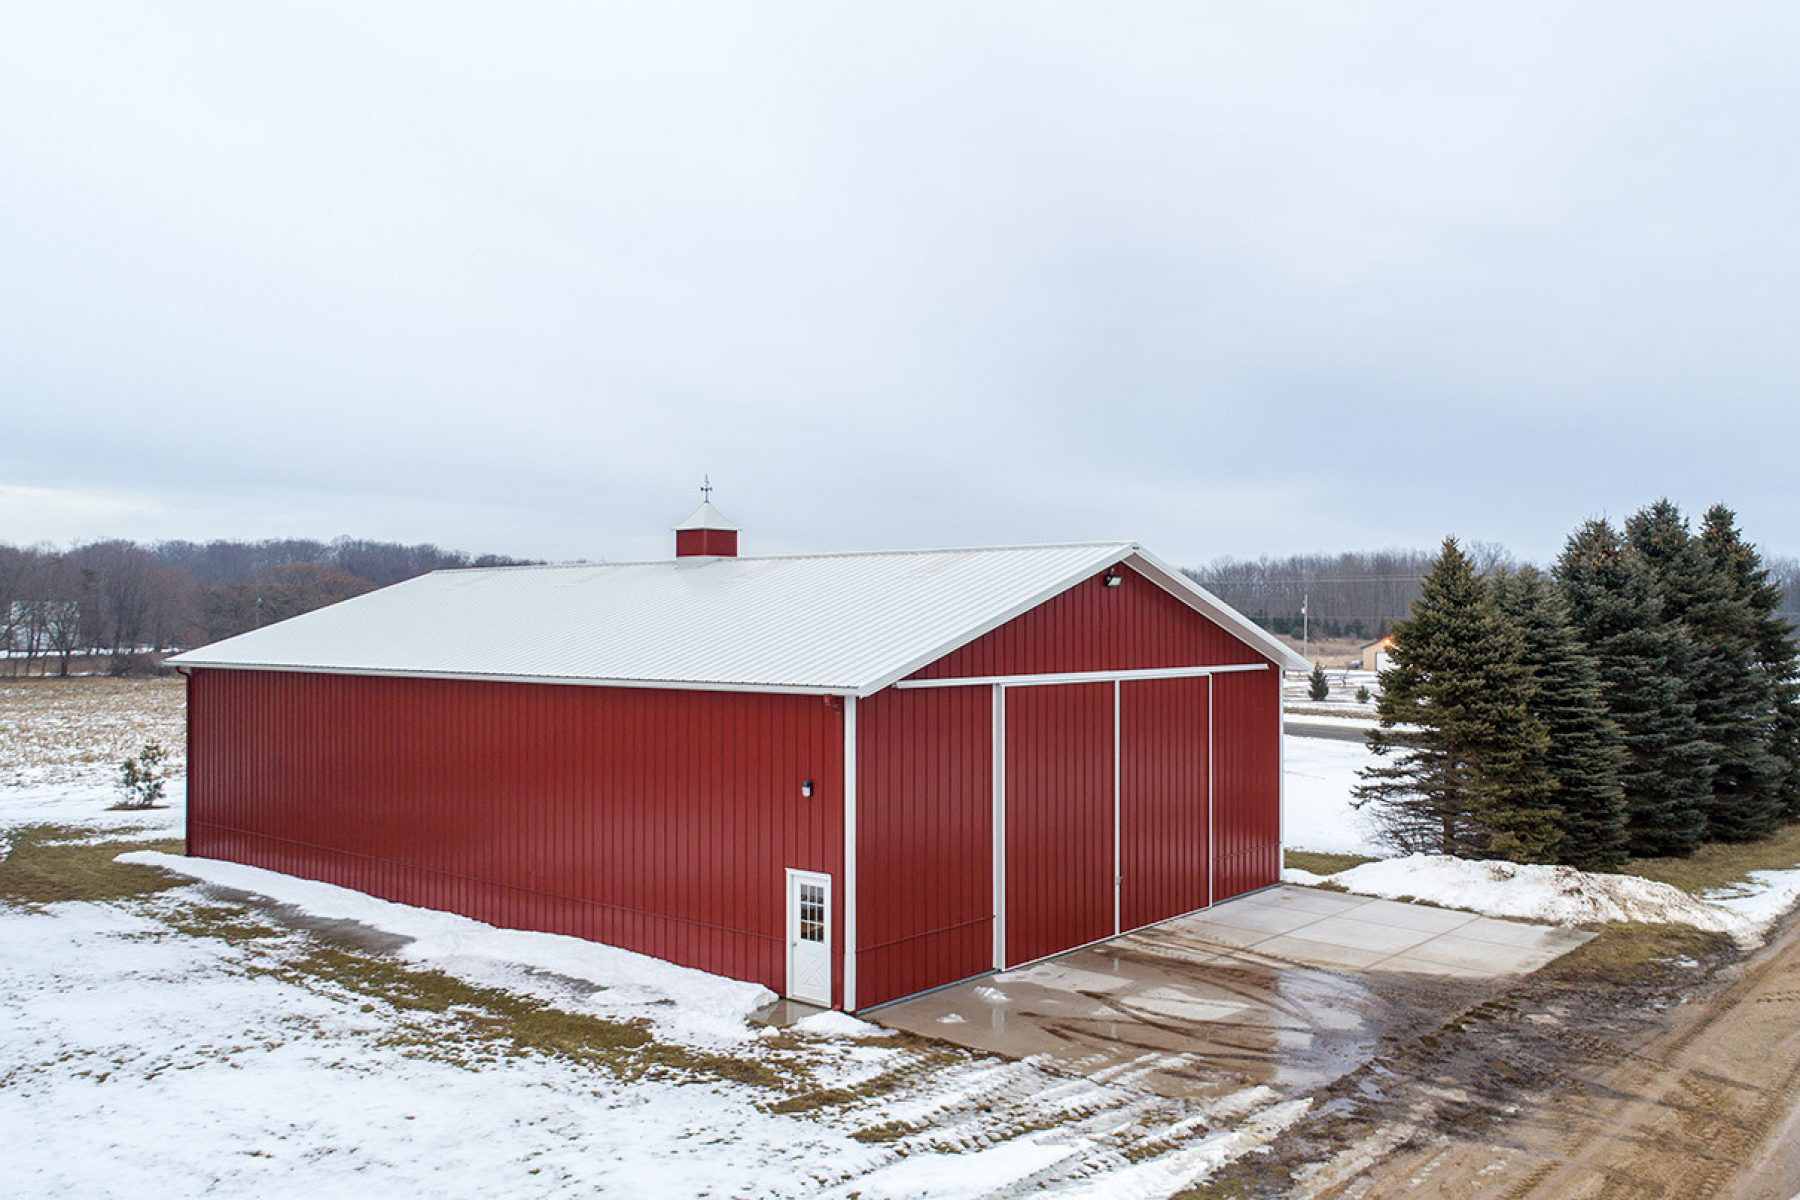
[[1151, 568], [1113, 556], [1177, 584]]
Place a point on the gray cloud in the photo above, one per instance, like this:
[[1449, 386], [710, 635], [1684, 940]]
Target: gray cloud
[[1240, 282]]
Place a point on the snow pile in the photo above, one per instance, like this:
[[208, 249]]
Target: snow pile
[[840, 1024], [1762, 898], [1563, 895], [688, 1004]]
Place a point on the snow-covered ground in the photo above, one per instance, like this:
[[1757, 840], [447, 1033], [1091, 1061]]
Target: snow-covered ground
[[1343, 684], [318, 1042], [1565, 895], [1320, 774]]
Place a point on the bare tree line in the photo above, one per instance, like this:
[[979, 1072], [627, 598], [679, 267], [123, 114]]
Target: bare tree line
[[124, 603], [1362, 593], [1786, 572], [1358, 593]]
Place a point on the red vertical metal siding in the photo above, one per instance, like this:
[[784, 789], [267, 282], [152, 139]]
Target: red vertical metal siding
[[660, 821], [1162, 799], [924, 836], [1246, 781], [692, 542], [1059, 818], [1092, 627]]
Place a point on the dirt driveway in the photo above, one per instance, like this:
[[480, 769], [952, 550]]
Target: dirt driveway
[[1289, 989], [1709, 1107]]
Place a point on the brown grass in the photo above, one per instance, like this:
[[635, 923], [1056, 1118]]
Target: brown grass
[[1625, 950], [1320, 863], [43, 867], [1719, 863]]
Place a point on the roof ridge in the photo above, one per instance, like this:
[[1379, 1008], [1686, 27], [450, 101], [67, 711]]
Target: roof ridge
[[664, 562]]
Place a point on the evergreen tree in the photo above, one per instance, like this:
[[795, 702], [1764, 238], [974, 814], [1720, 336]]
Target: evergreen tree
[[1775, 653], [1642, 660], [1585, 753], [1317, 686], [1731, 697], [1467, 777]]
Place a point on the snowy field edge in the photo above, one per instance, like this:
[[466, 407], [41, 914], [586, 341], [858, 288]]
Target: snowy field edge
[[689, 1004]]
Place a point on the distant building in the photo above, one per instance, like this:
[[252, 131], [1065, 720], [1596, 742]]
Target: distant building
[[1375, 654]]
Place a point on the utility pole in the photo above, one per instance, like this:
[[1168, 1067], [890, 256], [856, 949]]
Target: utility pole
[[1305, 627]]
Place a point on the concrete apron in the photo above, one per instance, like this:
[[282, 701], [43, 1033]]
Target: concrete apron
[[1289, 988]]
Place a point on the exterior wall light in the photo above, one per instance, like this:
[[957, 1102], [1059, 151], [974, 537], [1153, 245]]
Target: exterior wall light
[[1113, 578], [806, 788]]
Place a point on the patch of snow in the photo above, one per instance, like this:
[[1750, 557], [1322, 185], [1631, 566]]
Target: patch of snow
[[952, 1019], [1563, 895], [89, 805], [965, 1176], [145, 1064], [1320, 773], [1190, 1164], [688, 1004], [839, 1024], [1307, 878], [1761, 899]]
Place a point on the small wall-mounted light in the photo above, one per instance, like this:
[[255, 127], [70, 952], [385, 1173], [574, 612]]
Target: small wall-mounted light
[[1113, 578], [806, 788]]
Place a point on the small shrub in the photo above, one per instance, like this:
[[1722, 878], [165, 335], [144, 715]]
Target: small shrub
[[1362, 695], [1318, 687], [142, 778]]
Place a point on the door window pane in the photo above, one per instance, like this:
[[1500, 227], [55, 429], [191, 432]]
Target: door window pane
[[812, 912]]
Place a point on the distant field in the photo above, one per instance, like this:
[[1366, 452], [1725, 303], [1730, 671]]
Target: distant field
[[56, 730]]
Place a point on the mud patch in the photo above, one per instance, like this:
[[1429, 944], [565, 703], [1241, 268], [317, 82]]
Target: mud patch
[[1474, 1077]]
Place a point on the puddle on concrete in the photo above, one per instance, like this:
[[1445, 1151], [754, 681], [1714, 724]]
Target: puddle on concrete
[[1188, 1019]]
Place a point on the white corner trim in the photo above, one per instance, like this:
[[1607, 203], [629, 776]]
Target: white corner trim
[[1118, 879], [999, 872], [850, 854]]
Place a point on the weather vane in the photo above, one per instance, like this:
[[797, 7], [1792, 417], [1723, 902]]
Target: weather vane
[[706, 488]]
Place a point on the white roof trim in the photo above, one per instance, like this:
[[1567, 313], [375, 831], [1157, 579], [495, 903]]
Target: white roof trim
[[671, 685]]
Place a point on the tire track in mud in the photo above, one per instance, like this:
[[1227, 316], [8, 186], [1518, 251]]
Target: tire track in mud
[[1682, 1115]]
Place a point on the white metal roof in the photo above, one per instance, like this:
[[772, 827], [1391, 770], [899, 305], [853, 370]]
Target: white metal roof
[[832, 623], [706, 517]]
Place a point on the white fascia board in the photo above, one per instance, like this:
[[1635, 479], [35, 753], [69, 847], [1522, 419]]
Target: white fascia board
[[1108, 555], [1057, 678], [675, 685], [1230, 619]]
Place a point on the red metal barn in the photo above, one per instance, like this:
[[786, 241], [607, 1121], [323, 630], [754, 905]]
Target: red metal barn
[[849, 777]]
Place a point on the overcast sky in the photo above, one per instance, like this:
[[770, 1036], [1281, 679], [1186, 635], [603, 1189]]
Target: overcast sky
[[1227, 279]]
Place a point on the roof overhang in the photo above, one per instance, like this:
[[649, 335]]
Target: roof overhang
[[674, 685]]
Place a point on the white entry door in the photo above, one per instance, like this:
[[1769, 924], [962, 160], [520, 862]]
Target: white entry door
[[809, 937]]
